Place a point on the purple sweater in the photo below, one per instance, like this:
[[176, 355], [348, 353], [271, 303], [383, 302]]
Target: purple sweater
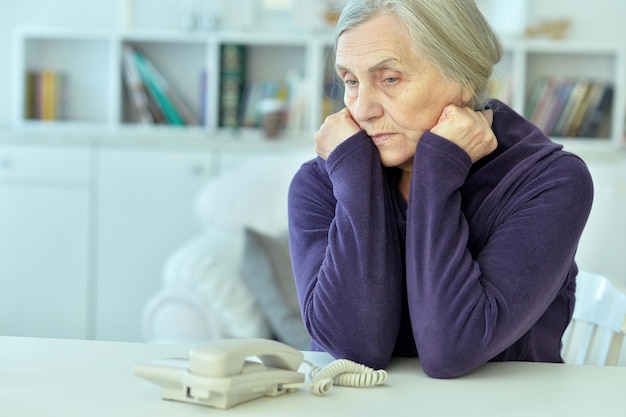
[[477, 266]]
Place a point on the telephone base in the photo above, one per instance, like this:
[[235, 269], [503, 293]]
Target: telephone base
[[178, 384], [219, 400]]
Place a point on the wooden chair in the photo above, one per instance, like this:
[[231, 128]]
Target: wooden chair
[[597, 330]]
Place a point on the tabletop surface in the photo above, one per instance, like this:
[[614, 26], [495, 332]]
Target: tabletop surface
[[53, 377]]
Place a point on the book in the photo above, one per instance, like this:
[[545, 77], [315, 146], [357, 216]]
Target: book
[[156, 90], [30, 100], [45, 95], [596, 122], [546, 88], [230, 101], [593, 101], [48, 94], [547, 105], [232, 82], [559, 99], [576, 96], [154, 108], [163, 85], [136, 88], [534, 97], [579, 110]]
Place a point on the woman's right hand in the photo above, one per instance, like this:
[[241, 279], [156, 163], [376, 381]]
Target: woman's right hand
[[336, 129], [469, 129]]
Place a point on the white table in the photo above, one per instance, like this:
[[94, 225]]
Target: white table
[[50, 377]]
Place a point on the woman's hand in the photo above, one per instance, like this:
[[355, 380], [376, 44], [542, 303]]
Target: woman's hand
[[336, 128], [469, 129]]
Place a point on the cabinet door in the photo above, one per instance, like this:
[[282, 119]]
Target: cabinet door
[[145, 212], [44, 242]]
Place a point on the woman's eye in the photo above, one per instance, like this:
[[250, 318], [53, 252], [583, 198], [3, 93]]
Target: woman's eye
[[350, 83], [391, 80]]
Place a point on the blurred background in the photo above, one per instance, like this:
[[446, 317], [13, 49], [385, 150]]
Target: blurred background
[[92, 210]]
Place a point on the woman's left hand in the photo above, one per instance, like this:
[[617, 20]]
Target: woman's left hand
[[335, 130], [469, 129]]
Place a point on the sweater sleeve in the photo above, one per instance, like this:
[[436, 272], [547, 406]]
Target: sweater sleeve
[[345, 255], [467, 304]]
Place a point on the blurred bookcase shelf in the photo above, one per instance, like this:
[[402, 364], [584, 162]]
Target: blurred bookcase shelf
[[96, 94], [527, 65]]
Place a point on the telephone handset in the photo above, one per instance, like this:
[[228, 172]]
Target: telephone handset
[[228, 372], [228, 357]]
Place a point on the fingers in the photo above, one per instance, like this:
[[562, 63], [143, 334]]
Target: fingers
[[336, 128], [469, 129]]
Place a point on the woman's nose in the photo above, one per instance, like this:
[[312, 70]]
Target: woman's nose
[[366, 106]]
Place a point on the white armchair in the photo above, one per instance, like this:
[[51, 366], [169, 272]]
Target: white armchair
[[234, 278]]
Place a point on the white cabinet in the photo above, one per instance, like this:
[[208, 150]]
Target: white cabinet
[[45, 221], [87, 225], [144, 212]]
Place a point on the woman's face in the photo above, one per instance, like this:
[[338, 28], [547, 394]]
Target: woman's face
[[392, 93]]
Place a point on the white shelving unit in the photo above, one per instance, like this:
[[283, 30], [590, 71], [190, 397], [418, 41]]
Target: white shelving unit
[[524, 62], [97, 98]]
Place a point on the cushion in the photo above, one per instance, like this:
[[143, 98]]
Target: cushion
[[176, 314], [209, 265], [266, 269], [252, 195]]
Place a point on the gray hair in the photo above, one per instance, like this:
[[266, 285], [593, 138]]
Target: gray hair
[[452, 34]]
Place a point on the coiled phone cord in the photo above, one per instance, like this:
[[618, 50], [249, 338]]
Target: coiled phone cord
[[343, 372]]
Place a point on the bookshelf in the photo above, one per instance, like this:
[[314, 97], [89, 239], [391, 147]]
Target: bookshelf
[[84, 63], [527, 62], [91, 65]]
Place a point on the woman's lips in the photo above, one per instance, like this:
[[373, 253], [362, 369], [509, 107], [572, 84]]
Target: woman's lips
[[380, 138]]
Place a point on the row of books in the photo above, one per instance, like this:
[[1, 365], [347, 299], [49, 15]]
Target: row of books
[[291, 93], [151, 95], [240, 100], [573, 107], [155, 101], [45, 95]]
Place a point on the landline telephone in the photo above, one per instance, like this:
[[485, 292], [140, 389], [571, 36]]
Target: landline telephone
[[228, 372]]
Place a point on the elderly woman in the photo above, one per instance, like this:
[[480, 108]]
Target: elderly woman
[[434, 223]]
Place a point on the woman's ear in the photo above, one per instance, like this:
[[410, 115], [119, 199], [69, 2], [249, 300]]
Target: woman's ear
[[466, 95]]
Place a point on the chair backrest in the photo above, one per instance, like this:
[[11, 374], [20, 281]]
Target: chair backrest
[[598, 326]]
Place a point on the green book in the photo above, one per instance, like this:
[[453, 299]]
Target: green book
[[171, 114]]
